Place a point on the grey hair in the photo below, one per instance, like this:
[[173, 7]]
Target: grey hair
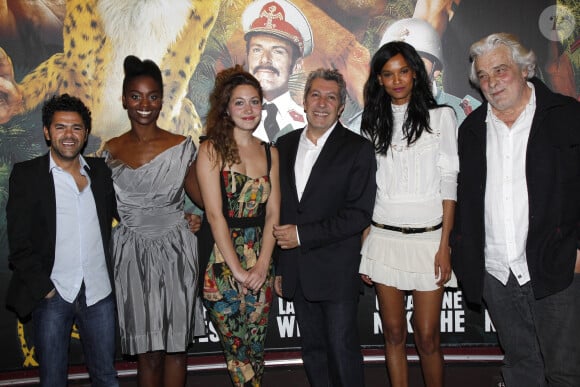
[[522, 56], [327, 75]]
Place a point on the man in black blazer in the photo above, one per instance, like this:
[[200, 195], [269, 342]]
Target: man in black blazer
[[327, 179], [59, 213], [517, 220]]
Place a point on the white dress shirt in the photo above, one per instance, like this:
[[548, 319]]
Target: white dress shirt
[[306, 157], [79, 255], [506, 195]]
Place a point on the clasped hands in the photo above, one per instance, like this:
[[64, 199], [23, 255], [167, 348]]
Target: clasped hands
[[251, 280]]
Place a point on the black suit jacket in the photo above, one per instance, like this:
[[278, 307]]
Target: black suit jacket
[[553, 182], [335, 208], [31, 222]]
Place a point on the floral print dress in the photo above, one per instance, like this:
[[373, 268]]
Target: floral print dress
[[241, 320]]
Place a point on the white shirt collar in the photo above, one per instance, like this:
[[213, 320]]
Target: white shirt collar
[[321, 140], [52, 164]]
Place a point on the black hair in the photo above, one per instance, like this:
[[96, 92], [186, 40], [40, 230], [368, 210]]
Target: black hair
[[377, 117], [135, 67], [65, 103]]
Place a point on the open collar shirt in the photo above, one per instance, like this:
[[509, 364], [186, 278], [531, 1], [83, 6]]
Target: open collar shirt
[[506, 195], [79, 253], [306, 157]]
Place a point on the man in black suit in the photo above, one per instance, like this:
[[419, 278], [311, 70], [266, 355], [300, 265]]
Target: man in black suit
[[59, 213], [327, 179]]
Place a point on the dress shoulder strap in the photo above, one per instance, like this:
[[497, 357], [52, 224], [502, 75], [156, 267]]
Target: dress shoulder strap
[[267, 147]]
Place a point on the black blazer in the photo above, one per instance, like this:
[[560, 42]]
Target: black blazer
[[553, 182], [335, 208], [31, 222]]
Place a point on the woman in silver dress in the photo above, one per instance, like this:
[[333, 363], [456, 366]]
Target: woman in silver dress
[[154, 252]]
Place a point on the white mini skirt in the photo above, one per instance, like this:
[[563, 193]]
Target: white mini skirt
[[403, 261]]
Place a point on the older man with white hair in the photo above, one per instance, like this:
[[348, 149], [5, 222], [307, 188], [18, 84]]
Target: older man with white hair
[[517, 223]]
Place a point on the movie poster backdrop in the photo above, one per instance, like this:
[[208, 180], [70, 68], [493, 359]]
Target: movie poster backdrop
[[57, 46]]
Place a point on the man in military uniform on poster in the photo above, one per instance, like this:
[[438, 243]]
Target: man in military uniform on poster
[[278, 37]]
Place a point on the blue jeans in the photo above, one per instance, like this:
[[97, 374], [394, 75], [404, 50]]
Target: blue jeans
[[53, 319], [540, 338]]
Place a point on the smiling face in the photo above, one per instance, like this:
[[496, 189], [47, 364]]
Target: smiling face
[[67, 135], [143, 100], [501, 80], [270, 60], [245, 107], [322, 105], [397, 78]]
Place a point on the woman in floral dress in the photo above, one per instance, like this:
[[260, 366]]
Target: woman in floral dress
[[238, 176]]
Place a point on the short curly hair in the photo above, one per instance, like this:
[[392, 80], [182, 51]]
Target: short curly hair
[[65, 103]]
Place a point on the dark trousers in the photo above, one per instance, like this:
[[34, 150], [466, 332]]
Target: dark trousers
[[540, 338], [330, 343]]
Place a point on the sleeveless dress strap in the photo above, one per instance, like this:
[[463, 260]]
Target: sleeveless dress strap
[[268, 145]]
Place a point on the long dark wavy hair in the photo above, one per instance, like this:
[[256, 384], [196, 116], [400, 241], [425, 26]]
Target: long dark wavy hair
[[219, 125], [377, 117]]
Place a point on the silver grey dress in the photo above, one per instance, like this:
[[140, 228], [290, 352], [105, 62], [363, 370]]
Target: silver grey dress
[[155, 255]]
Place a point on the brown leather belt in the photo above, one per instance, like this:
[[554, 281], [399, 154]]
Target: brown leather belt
[[407, 230]]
